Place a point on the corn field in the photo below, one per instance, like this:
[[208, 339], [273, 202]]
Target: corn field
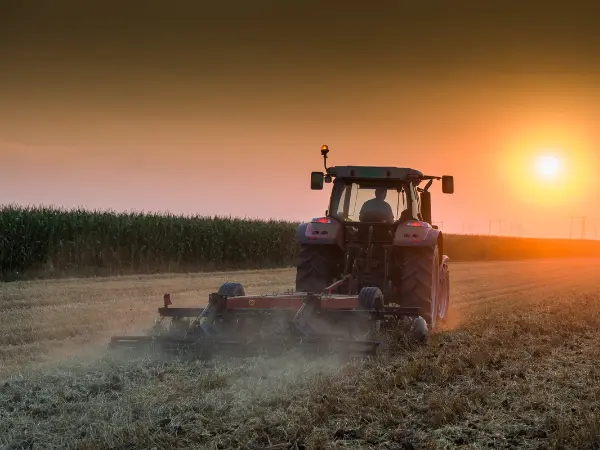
[[53, 242]]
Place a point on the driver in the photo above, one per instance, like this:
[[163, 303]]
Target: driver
[[377, 209]]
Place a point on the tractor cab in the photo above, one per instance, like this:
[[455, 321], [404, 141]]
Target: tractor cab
[[369, 194], [373, 201]]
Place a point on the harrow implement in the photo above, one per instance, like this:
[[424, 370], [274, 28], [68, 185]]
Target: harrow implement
[[236, 324]]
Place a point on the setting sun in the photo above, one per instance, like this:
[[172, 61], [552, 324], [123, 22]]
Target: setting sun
[[548, 166]]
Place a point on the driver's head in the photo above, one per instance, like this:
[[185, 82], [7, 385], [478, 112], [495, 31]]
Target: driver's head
[[380, 193]]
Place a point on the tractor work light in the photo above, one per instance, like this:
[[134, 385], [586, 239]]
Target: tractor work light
[[417, 223]]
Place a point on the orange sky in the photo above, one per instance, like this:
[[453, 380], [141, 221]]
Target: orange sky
[[223, 110]]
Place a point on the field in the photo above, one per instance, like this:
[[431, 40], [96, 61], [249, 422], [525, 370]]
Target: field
[[516, 367], [50, 243]]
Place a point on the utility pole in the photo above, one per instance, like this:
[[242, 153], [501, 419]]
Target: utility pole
[[571, 228], [583, 220], [499, 222]]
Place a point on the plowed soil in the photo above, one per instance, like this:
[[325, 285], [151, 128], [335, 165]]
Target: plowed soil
[[516, 366]]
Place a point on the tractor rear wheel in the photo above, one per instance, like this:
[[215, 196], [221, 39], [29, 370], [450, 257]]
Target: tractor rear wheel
[[317, 267], [419, 281]]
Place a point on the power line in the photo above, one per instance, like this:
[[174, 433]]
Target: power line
[[515, 227]]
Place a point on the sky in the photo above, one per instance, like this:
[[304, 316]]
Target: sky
[[221, 109]]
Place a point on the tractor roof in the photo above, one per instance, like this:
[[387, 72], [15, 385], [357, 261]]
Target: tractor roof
[[374, 172]]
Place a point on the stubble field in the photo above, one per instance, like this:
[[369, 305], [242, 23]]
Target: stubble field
[[515, 367]]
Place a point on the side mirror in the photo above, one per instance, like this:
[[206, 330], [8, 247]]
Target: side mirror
[[448, 184], [426, 206], [316, 181]]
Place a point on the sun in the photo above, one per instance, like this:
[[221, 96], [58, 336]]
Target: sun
[[547, 166]]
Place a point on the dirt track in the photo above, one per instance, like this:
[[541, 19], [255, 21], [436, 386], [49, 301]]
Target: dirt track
[[516, 367]]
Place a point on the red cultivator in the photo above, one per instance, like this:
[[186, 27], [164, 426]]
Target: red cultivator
[[233, 323]]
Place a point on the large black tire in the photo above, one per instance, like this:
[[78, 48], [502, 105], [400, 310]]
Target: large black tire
[[317, 266], [231, 289], [419, 281]]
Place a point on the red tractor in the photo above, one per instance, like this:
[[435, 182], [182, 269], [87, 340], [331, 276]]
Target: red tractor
[[377, 233]]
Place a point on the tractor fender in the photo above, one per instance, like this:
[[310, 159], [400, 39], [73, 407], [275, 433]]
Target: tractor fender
[[422, 235], [320, 233]]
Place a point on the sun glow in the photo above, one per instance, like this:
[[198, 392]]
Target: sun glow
[[548, 166], [546, 175]]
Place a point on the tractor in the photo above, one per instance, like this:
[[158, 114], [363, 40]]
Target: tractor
[[377, 232]]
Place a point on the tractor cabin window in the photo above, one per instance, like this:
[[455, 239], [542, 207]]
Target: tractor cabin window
[[370, 203]]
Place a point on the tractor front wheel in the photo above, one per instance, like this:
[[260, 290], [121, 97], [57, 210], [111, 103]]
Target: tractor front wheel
[[444, 293]]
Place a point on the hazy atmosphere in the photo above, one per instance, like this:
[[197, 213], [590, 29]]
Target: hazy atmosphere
[[156, 291], [222, 108]]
